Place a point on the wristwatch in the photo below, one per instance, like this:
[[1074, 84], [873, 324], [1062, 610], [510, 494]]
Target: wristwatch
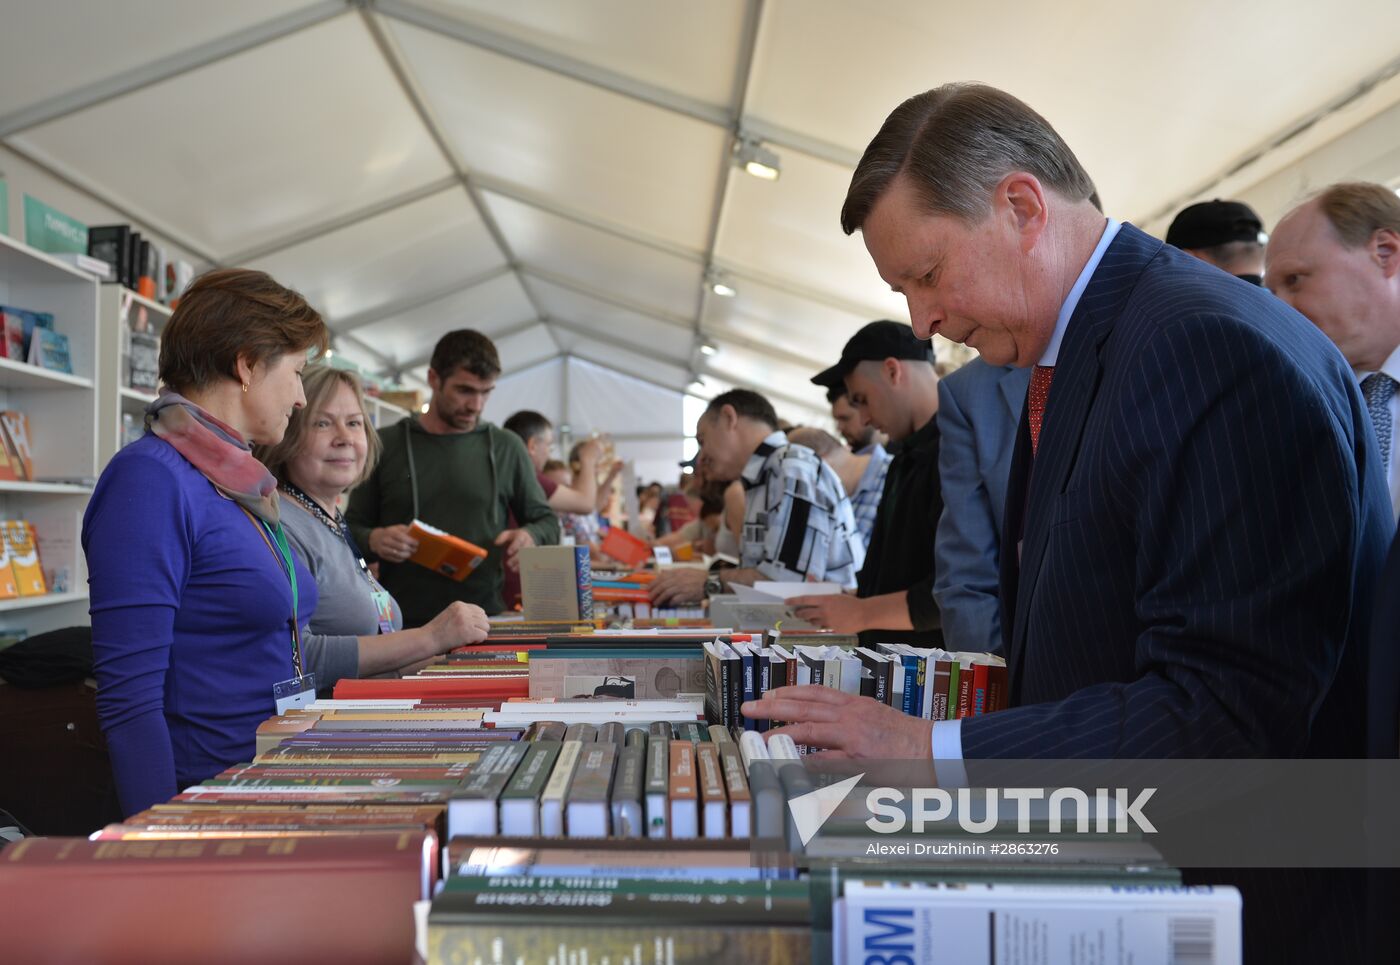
[[714, 586]]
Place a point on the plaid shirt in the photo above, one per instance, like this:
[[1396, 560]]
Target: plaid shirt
[[865, 501], [798, 523]]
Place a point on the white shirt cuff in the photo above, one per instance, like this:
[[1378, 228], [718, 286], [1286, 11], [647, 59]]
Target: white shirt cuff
[[947, 754]]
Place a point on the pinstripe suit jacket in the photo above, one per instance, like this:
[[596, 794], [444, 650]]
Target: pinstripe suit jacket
[[1201, 530]]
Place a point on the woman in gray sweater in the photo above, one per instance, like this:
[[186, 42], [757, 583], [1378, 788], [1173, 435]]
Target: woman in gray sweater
[[357, 630]]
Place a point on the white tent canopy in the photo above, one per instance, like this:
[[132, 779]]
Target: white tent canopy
[[559, 173]]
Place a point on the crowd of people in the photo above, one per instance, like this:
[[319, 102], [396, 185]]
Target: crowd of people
[[1164, 491]]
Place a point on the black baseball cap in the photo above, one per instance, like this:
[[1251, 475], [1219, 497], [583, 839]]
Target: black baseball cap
[[1217, 222], [874, 343]]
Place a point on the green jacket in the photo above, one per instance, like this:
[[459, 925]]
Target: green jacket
[[464, 483]]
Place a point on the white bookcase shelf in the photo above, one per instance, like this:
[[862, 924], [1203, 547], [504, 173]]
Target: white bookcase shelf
[[21, 603], [382, 413], [62, 412], [115, 397]]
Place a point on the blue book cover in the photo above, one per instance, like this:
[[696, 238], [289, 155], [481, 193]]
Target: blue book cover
[[749, 680], [583, 570], [50, 350]]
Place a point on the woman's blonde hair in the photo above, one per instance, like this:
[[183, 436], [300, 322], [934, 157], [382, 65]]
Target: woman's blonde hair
[[320, 382]]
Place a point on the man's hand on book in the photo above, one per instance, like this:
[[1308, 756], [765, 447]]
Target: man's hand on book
[[672, 587], [842, 724], [512, 541], [392, 543]]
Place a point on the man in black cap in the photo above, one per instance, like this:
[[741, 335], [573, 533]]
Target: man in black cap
[[1226, 234], [889, 376]]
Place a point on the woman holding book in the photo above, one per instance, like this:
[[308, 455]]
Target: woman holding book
[[357, 629], [197, 600]]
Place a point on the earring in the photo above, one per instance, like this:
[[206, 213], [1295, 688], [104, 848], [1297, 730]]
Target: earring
[[245, 386]]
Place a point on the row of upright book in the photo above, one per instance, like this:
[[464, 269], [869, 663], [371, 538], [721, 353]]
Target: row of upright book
[[931, 683]]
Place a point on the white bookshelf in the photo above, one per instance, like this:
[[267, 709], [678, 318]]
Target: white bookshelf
[[115, 397], [62, 411]]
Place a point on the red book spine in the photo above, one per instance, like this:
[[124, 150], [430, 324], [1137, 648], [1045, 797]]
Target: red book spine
[[979, 689], [484, 689], [996, 689]]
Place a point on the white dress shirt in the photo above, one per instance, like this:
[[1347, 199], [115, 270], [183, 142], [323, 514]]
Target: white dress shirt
[[947, 734]]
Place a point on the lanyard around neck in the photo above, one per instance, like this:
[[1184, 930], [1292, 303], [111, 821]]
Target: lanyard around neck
[[283, 552]]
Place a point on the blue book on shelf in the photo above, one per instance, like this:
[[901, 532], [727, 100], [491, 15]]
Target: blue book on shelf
[[50, 350]]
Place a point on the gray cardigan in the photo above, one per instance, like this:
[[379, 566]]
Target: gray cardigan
[[345, 609]]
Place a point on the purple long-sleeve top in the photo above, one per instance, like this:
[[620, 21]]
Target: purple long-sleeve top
[[191, 622]]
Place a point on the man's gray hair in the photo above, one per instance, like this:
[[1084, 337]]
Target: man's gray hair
[[955, 143]]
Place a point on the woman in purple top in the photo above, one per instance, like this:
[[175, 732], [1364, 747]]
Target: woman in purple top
[[197, 601]]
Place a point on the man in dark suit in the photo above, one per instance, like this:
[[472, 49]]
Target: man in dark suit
[[1196, 512]]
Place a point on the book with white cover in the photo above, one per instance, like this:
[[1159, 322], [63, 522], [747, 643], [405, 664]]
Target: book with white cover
[[555, 792], [1005, 924]]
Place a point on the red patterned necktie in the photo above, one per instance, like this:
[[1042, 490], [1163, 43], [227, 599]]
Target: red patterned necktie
[[1039, 395]]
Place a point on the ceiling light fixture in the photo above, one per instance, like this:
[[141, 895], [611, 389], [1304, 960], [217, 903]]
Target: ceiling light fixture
[[423, 408], [755, 159], [708, 348], [719, 283]]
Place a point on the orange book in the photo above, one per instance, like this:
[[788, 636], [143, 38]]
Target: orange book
[[9, 589], [16, 433], [23, 549], [443, 553], [624, 547], [477, 688]]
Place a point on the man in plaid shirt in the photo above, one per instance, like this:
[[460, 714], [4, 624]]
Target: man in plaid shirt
[[798, 523]]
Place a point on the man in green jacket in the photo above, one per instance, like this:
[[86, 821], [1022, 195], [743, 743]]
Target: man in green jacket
[[452, 470]]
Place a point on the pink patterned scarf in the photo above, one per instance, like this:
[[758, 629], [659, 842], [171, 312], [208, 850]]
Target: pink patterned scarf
[[217, 451]]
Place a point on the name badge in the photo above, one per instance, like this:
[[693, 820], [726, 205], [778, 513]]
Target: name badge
[[384, 609], [662, 554], [295, 693]]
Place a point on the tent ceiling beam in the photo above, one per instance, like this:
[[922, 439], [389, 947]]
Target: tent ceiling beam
[[166, 68], [420, 106], [748, 44], [303, 235], [606, 297], [574, 69], [382, 312], [602, 338]]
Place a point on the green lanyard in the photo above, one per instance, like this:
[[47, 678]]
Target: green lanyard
[[284, 553]]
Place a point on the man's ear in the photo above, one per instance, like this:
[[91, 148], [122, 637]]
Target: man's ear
[[434, 380], [1385, 251], [892, 371], [728, 417], [1021, 200]]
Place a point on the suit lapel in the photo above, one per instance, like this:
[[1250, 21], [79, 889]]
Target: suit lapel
[[1078, 373], [1013, 393]]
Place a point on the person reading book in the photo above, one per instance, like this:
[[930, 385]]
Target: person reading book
[[197, 600], [357, 629], [798, 523], [451, 469]]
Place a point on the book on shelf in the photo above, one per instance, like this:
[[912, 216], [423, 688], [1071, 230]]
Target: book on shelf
[[49, 350], [14, 432], [616, 673], [111, 244], [22, 546], [520, 799], [20, 324], [445, 554], [143, 361], [474, 807]]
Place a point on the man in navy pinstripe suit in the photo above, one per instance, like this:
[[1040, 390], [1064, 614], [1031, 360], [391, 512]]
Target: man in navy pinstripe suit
[[1196, 512]]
